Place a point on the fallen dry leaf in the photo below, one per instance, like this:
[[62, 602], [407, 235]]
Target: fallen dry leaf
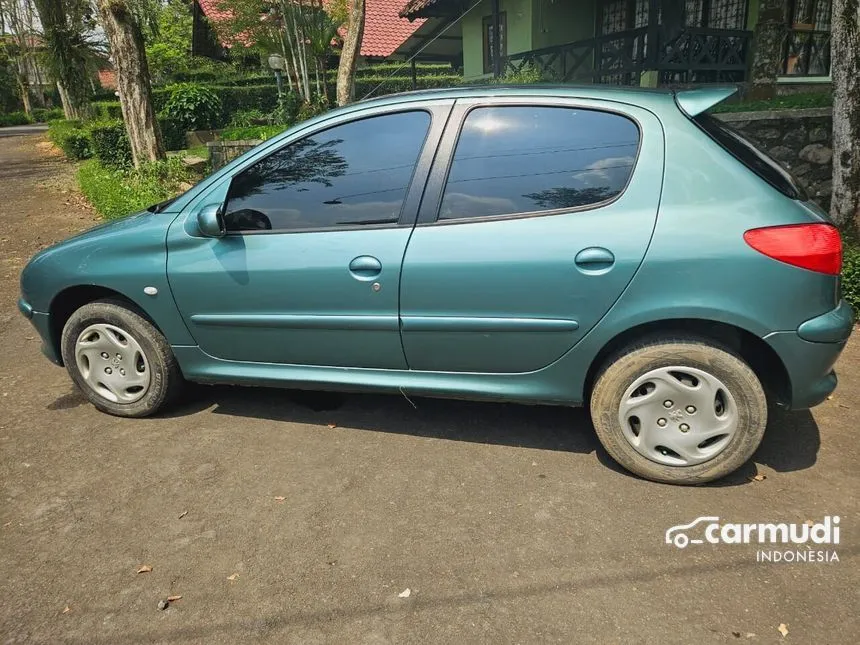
[[783, 629], [736, 634], [67, 609], [144, 568], [809, 523], [183, 514], [235, 576], [405, 593], [332, 425], [280, 498], [173, 598], [758, 478]]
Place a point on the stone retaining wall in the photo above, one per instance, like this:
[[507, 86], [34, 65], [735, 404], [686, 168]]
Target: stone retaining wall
[[801, 140]]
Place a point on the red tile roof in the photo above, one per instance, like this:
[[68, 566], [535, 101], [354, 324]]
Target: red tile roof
[[384, 30]]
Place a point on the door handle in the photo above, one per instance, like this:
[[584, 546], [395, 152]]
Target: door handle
[[365, 267], [594, 259]]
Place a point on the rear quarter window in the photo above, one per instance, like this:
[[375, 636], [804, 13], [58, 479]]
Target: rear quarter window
[[751, 156], [513, 160]]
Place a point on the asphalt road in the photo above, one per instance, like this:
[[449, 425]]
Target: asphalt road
[[285, 517], [22, 130]]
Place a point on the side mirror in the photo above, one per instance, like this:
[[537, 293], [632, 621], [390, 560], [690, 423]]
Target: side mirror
[[210, 221]]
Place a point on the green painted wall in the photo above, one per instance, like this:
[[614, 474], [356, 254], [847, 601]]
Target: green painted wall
[[556, 22], [519, 21]]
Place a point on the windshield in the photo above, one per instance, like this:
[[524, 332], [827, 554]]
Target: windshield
[[750, 156]]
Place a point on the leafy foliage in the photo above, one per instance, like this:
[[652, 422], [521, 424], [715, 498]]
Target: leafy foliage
[[110, 143], [43, 115], [193, 107], [115, 193], [15, 118], [168, 48], [851, 276], [72, 138], [256, 132]]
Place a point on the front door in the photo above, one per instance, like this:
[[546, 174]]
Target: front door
[[529, 234], [308, 273]]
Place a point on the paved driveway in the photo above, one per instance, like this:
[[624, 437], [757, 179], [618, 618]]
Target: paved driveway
[[22, 130], [296, 518]]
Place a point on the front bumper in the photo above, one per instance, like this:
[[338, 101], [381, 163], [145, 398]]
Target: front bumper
[[810, 353], [42, 323]]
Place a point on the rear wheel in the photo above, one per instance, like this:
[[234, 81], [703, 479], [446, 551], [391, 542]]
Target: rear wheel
[[680, 411], [119, 360]]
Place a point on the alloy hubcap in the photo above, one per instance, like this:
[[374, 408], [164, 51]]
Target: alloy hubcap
[[678, 416], [112, 363]]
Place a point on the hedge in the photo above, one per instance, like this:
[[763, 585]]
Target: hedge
[[15, 118], [72, 138], [107, 110], [43, 115], [110, 143]]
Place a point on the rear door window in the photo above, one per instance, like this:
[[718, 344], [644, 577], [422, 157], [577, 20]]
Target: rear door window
[[527, 159], [751, 156]]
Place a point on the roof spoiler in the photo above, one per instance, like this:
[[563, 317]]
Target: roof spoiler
[[694, 102]]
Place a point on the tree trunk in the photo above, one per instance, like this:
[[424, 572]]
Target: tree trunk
[[24, 89], [65, 53], [845, 71], [64, 100], [768, 41], [133, 81], [351, 49]]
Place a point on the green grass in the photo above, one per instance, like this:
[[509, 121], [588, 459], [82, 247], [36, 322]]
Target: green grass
[[116, 193], [790, 102]]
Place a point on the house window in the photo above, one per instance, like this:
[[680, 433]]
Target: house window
[[807, 49], [489, 37], [716, 14]]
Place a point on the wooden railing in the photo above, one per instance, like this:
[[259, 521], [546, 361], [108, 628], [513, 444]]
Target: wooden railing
[[696, 55]]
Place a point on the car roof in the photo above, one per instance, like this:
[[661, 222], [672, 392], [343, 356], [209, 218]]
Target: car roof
[[633, 95]]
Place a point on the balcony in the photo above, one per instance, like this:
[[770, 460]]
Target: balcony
[[695, 55]]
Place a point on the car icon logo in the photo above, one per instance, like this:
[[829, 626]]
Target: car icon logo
[[677, 535]]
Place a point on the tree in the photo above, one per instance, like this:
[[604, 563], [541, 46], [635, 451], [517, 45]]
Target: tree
[[351, 49], [845, 71], [768, 39], [69, 49], [123, 31], [168, 46], [17, 18]]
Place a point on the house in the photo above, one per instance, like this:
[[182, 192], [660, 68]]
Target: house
[[609, 41], [384, 30]]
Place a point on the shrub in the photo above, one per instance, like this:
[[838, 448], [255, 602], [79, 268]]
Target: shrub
[[115, 193], [248, 118], [851, 276], [15, 118], [71, 137], [43, 115], [172, 135], [110, 143], [262, 132], [194, 107], [107, 110]]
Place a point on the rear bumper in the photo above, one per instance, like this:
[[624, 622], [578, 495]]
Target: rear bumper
[[810, 353]]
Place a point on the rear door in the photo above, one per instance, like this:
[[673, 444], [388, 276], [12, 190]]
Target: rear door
[[535, 218]]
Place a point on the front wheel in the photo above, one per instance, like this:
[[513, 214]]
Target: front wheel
[[679, 411], [119, 360]]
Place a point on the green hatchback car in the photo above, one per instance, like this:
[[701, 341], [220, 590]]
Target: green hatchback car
[[614, 248]]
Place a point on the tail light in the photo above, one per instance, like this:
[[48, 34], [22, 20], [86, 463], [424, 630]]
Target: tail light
[[816, 247]]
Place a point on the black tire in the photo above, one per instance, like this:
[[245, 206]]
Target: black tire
[[165, 377], [620, 372]]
